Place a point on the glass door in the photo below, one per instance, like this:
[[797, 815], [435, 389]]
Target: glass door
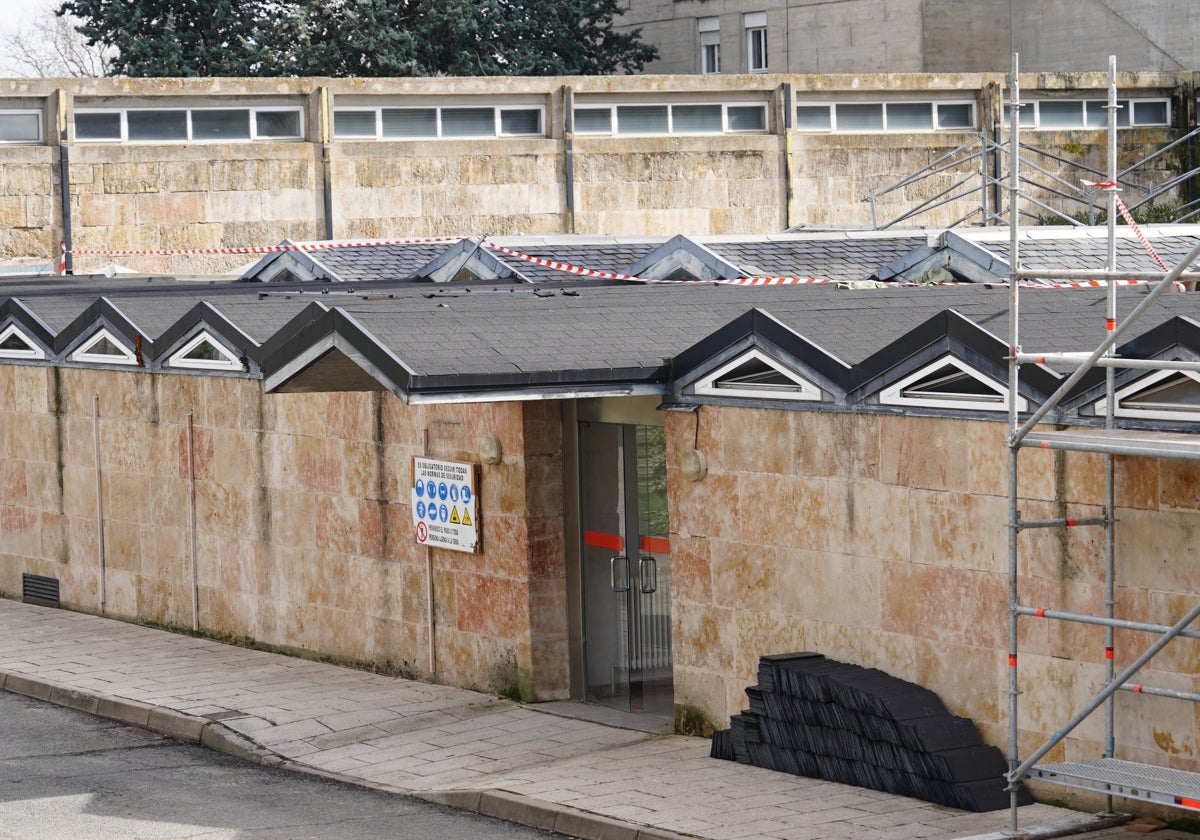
[[626, 567]]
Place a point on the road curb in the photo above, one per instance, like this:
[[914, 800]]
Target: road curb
[[551, 816]]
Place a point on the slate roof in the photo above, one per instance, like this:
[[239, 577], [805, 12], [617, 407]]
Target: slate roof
[[563, 333]]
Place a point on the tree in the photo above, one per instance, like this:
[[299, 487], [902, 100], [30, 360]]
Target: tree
[[526, 38], [49, 47], [361, 37], [180, 38]]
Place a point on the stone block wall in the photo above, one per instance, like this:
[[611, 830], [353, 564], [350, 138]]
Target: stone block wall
[[203, 195], [883, 541], [304, 527]]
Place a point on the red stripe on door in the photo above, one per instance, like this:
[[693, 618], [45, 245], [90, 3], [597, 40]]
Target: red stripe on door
[[656, 545], [599, 539]]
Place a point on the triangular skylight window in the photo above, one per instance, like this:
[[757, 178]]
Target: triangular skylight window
[[949, 383], [755, 375], [1164, 395], [466, 260], [204, 352], [680, 258], [14, 344], [104, 348]]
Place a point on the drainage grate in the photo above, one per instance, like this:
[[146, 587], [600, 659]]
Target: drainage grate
[[36, 589]]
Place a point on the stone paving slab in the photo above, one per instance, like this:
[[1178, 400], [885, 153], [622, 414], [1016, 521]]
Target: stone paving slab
[[449, 745]]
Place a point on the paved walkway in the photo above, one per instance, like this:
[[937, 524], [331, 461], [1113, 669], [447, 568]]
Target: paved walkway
[[448, 745]]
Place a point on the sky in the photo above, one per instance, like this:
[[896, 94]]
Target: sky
[[14, 12]]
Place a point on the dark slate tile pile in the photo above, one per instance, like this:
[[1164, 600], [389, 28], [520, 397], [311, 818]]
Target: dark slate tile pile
[[812, 716]]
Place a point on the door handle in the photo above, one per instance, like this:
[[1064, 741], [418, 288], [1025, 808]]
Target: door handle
[[649, 582], [612, 572]]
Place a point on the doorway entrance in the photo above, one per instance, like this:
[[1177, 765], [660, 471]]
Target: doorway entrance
[[626, 567]]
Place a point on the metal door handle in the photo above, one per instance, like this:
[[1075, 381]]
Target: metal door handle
[[612, 572], [649, 581]]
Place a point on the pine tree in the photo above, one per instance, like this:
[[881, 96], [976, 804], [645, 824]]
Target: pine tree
[[360, 37]]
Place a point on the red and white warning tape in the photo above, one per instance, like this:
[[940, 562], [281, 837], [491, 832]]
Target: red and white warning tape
[[1083, 284], [1137, 231], [320, 246], [250, 249], [610, 275]]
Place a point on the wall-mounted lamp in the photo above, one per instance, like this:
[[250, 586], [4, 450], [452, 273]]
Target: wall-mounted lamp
[[490, 450], [693, 465]]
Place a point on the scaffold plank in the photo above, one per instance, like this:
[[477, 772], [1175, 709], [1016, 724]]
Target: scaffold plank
[[1118, 442], [1133, 780]]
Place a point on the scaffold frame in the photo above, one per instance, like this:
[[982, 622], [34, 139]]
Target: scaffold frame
[[1108, 774]]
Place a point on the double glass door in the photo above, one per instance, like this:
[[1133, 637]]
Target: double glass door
[[626, 567]]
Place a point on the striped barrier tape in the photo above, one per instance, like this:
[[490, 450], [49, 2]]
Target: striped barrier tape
[[244, 250], [1137, 231], [611, 275]]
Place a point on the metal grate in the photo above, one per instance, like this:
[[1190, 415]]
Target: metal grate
[[1148, 782], [36, 589]]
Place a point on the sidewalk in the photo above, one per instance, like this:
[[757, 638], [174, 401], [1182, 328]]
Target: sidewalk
[[449, 745]]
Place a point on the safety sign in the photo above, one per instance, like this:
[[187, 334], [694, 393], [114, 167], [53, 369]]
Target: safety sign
[[445, 504]]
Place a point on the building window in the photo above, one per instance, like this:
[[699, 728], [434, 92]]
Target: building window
[[885, 116], [684, 118], [710, 44], [205, 353], [14, 344], [158, 125], [104, 348], [756, 42], [949, 383], [434, 122], [20, 126], [1052, 114], [754, 375]]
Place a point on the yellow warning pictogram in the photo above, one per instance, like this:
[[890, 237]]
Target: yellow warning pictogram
[[466, 517], [454, 520]]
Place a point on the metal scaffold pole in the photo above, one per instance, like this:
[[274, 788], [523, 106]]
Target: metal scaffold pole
[[1110, 493], [1014, 129]]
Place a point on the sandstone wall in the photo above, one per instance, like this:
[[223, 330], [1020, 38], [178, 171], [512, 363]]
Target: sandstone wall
[[174, 195], [882, 540], [304, 528]]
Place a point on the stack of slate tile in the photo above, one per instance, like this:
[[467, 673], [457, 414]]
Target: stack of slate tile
[[812, 716]]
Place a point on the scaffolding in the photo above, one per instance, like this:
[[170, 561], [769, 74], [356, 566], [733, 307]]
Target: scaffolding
[[1106, 774]]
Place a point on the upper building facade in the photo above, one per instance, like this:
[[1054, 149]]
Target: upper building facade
[[915, 36], [118, 168]]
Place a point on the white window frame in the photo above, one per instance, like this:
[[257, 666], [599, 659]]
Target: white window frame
[[755, 24], [83, 354], [894, 393], [1181, 415], [497, 125], [25, 112], [804, 391], [725, 129], [34, 351], [934, 127], [228, 360], [253, 114], [709, 31], [1031, 113]]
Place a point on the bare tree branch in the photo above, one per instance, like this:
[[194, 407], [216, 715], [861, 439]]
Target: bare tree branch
[[50, 47]]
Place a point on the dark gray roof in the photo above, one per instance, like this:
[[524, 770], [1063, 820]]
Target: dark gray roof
[[472, 338]]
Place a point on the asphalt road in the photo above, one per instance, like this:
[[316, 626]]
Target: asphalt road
[[70, 776]]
